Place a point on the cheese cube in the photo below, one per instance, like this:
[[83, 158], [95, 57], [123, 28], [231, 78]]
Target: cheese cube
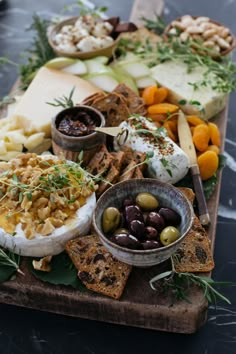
[[175, 76]]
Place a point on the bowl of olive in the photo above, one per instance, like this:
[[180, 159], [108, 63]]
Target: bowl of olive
[[142, 222]]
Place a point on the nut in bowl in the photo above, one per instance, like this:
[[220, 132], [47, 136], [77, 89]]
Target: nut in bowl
[[208, 33], [83, 37], [144, 249]]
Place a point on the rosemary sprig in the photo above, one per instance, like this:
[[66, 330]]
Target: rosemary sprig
[[64, 101], [179, 284], [40, 51], [6, 100], [10, 260], [157, 25]]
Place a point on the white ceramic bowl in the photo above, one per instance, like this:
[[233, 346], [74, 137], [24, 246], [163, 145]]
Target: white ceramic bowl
[[168, 196]]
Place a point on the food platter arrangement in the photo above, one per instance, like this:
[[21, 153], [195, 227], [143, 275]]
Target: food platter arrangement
[[110, 157]]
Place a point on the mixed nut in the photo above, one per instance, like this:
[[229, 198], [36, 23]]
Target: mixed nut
[[141, 224], [212, 35]]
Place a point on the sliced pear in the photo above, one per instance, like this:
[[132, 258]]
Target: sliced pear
[[78, 68], [145, 81], [60, 63], [101, 60], [96, 66], [126, 79], [136, 69], [105, 81]]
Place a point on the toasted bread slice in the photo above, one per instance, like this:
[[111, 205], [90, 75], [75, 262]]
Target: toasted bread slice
[[101, 161], [194, 254], [135, 103], [128, 172], [138, 173], [119, 158], [189, 193], [102, 273], [111, 177]]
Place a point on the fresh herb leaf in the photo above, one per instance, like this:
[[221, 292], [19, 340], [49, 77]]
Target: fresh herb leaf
[[179, 284], [157, 25], [9, 265], [39, 53], [63, 272], [64, 102]]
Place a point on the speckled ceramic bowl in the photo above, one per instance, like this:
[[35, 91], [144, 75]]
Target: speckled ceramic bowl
[[167, 195]]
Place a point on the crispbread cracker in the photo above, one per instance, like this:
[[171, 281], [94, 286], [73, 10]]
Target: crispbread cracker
[[98, 269], [194, 254], [189, 193], [135, 103]]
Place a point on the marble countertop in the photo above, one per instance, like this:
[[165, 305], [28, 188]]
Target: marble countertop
[[31, 332]]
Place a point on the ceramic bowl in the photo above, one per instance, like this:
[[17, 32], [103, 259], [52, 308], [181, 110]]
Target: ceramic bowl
[[71, 146], [106, 51], [167, 195], [223, 52]]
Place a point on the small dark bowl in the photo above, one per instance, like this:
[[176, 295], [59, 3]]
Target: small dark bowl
[[71, 146], [167, 195]]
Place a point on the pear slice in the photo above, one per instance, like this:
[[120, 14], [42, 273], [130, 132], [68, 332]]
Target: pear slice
[[135, 69], [106, 81], [145, 81], [77, 68], [126, 79], [96, 65], [60, 63]]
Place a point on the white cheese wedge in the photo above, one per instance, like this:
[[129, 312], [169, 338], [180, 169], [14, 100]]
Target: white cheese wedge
[[175, 76], [33, 113], [169, 163]]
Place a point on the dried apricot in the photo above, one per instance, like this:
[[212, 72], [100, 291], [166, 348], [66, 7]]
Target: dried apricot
[[161, 94], [194, 120], [214, 148], [162, 108], [214, 134], [201, 137], [149, 94], [208, 163], [158, 117], [170, 132]]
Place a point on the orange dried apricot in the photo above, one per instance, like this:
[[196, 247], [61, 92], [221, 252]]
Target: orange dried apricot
[[170, 132], [149, 94], [194, 120], [158, 117], [213, 148], [201, 137], [161, 94], [162, 108], [208, 163], [214, 134]]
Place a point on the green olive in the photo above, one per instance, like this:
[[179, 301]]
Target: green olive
[[168, 235], [146, 201], [110, 219], [121, 230]]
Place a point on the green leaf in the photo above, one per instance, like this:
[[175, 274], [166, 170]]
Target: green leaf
[[182, 102], [63, 272], [9, 264], [6, 272]]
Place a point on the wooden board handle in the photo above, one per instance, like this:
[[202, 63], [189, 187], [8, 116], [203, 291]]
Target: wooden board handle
[[204, 216]]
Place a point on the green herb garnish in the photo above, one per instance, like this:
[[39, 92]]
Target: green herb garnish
[[179, 284], [64, 101], [9, 265]]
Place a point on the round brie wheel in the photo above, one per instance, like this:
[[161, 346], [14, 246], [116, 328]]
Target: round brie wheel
[[54, 243]]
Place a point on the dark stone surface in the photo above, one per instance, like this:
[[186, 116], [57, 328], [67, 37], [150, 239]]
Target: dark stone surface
[[28, 331]]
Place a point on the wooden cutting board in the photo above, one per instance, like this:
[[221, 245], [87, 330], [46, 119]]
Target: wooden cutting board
[[139, 306]]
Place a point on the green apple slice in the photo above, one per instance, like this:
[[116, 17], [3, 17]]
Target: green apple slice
[[96, 66], [60, 63], [105, 81], [78, 68], [145, 81]]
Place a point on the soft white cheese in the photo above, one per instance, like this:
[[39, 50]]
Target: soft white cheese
[[175, 76], [169, 163]]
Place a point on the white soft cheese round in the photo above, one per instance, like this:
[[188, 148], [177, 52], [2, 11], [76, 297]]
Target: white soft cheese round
[[54, 243], [164, 166]]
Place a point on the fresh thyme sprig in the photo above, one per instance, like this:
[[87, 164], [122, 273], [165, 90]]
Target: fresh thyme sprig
[[6, 100], [64, 101], [86, 7], [179, 284]]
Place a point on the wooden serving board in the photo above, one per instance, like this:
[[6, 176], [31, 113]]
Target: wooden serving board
[[139, 306]]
